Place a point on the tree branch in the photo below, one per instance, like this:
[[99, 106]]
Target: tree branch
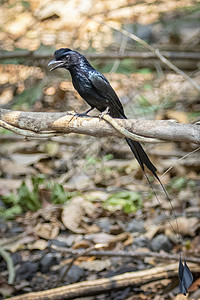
[[38, 54], [88, 288], [42, 125], [156, 52], [185, 60]]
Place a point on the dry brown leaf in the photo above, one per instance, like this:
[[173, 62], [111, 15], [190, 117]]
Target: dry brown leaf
[[179, 116], [195, 285], [96, 265], [82, 244], [38, 245], [16, 243], [79, 181], [47, 230], [155, 286], [195, 245], [73, 212], [8, 185], [27, 159], [181, 297], [103, 238], [151, 231], [186, 226], [15, 169]]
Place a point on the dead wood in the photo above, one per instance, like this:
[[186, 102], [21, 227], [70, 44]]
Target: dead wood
[[88, 288], [39, 124], [101, 253]]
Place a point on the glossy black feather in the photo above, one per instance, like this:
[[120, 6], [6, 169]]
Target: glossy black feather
[[185, 277], [96, 90]]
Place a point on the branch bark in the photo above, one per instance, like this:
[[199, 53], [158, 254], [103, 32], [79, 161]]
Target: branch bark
[[184, 60], [39, 124], [107, 55], [108, 253], [103, 285]]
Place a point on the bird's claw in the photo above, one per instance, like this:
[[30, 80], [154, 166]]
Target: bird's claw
[[103, 113]]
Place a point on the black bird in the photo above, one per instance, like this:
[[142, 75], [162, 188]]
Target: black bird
[[96, 90]]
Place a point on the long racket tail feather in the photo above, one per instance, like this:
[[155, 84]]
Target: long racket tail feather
[[168, 220], [185, 275]]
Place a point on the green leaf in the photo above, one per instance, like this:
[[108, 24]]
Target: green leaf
[[28, 199], [58, 195], [37, 181], [127, 201], [10, 213], [179, 183]]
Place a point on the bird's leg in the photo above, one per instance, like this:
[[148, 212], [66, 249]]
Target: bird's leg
[[76, 115], [103, 113], [85, 113]]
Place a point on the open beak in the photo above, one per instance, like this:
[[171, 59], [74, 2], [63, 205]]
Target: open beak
[[59, 63]]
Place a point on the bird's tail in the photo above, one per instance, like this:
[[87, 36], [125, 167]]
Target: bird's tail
[[141, 156], [185, 275]]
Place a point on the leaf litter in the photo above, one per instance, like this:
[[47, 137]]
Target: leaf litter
[[92, 190]]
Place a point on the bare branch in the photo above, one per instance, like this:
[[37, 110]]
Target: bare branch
[[86, 288], [39, 124], [156, 52], [185, 60], [136, 254], [106, 55]]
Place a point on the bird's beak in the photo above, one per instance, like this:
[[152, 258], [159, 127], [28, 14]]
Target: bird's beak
[[59, 63]]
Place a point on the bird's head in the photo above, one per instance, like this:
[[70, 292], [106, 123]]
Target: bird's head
[[64, 58]]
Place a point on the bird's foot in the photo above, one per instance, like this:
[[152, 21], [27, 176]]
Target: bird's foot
[[103, 113], [85, 114], [81, 114]]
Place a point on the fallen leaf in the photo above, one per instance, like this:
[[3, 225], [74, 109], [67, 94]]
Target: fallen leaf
[[151, 231], [6, 290], [27, 159], [16, 243], [181, 297], [82, 244], [38, 245], [96, 265], [73, 213], [103, 238], [179, 116], [9, 185], [47, 230], [79, 181], [186, 226], [195, 286], [15, 169]]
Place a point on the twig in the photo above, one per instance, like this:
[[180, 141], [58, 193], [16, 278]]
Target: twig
[[77, 255], [27, 132], [126, 133], [178, 160], [156, 52], [87, 288], [125, 254], [11, 270]]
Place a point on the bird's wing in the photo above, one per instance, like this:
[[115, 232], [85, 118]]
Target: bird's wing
[[104, 89]]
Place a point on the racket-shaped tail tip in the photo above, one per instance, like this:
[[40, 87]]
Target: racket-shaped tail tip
[[185, 277]]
